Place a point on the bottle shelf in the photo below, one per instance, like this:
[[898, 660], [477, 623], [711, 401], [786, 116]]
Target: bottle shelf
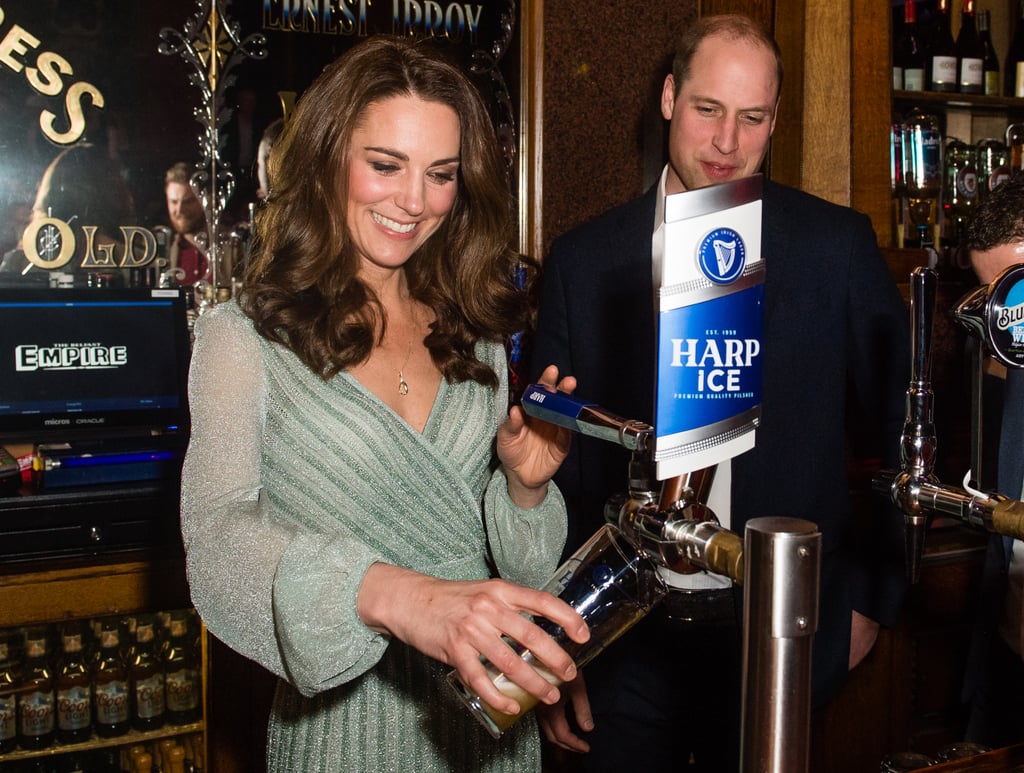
[[955, 99], [130, 738]]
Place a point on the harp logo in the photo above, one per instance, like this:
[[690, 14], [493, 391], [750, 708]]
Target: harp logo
[[722, 256]]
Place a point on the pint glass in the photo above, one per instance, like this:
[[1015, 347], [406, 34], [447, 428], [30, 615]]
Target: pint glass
[[611, 585]]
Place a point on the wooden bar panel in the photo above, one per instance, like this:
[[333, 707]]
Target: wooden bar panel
[[90, 590]]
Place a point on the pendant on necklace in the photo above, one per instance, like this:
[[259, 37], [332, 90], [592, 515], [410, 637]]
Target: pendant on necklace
[[403, 385]]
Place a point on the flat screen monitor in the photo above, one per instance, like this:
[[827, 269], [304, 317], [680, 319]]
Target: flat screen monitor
[[92, 363]]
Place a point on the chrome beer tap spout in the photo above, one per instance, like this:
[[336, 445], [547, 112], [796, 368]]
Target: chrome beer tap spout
[[672, 526], [914, 489], [679, 531]]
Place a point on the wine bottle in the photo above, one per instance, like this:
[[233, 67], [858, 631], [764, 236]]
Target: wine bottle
[[1013, 77], [908, 56], [990, 62], [969, 53], [942, 69], [897, 69]]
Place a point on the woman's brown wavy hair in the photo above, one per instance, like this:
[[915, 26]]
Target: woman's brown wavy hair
[[301, 288]]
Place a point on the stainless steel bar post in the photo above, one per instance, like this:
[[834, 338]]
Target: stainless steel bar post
[[782, 558]]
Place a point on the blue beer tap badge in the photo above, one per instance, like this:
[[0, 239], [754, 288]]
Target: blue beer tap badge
[[1006, 317], [710, 356], [722, 256], [710, 326]]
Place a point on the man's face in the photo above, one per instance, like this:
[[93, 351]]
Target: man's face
[[988, 264], [183, 208], [723, 115]]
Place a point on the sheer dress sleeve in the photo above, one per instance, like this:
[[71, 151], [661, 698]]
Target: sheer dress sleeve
[[281, 596]]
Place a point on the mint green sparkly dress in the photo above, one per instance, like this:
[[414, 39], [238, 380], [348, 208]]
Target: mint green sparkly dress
[[292, 487]]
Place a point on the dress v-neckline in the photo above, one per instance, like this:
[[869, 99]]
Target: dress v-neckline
[[441, 387]]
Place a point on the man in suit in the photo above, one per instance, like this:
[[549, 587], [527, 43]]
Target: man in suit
[[667, 693], [995, 675]]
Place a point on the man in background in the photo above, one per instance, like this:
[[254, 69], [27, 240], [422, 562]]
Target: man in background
[[188, 221], [995, 672], [665, 696]]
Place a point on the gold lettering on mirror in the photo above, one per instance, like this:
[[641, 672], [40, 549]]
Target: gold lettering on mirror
[[46, 78]]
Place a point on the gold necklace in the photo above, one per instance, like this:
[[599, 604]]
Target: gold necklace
[[403, 385]]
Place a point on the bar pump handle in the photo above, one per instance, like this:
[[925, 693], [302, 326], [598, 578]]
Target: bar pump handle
[[923, 282], [586, 418], [917, 444]]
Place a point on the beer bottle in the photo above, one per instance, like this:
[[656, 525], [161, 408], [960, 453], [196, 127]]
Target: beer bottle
[[110, 685], [175, 760], [36, 698], [74, 696], [181, 674], [147, 679], [161, 753], [8, 699], [128, 758]]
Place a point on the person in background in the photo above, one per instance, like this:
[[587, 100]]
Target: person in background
[[994, 680], [186, 255], [666, 694], [270, 136], [82, 188], [361, 511], [241, 234]]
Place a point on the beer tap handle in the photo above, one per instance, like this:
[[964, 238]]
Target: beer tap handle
[[917, 449], [587, 418], [917, 446], [672, 527], [922, 310]]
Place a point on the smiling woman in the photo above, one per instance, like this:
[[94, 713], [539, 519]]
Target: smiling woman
[[356, 487]]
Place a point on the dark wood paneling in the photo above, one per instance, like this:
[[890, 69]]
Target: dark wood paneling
[[871, 111], [604, 64]]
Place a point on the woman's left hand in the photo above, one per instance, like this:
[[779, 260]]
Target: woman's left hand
[[531, 450]]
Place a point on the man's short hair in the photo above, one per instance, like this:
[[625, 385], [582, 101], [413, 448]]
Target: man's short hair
[[179, 173], [734, 26], [1000, 217]]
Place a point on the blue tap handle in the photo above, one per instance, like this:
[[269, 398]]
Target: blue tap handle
[[566, 410]]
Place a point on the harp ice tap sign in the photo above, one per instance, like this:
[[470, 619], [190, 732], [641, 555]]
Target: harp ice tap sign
[[710, 306]]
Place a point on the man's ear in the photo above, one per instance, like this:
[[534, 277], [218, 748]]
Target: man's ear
[[668, 97]]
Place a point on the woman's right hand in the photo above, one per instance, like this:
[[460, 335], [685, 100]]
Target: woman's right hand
[[458, 622]]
